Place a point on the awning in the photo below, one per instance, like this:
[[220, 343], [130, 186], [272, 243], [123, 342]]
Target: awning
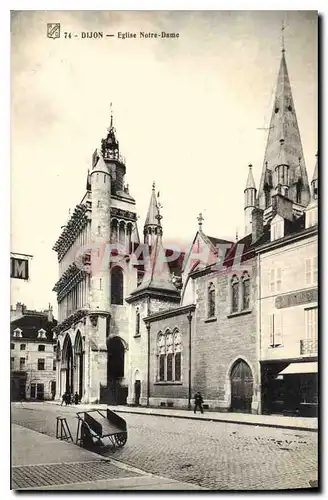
[[297, 368]]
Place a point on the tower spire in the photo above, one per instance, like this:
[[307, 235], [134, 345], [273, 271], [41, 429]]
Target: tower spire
[[282, 37], [153, 224], [283, 125], [111, 127]]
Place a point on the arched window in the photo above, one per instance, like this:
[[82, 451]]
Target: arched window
[[117, 285], [129, 234], [246, 290], [114, 230], [161, 356], [137, 322], [169, 356], [121, 236], [211, 300], [235, 293]]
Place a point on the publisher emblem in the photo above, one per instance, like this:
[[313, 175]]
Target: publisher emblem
[[53, 30]]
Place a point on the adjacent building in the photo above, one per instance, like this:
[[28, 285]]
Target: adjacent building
[[32, 354]]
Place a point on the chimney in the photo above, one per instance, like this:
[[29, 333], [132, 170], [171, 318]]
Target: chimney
[[20, 308], [257, 224], [50, 314]]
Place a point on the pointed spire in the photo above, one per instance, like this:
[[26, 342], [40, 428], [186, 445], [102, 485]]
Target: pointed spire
[[250, 183], [282, 37], [283, 125], [153, 210], [153, 224]]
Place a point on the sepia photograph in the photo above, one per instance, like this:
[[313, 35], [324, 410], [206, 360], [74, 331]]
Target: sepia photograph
[[164, 208]]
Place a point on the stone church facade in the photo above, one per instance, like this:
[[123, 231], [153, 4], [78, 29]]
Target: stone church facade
[[140, 327]]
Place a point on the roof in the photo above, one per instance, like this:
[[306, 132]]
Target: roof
[[31, 322], [157, 273]]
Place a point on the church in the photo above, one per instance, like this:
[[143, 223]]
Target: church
[[140, 324]]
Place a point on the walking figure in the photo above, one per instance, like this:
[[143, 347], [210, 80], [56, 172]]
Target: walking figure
[[64, 399], [198, 402], [76, 398]]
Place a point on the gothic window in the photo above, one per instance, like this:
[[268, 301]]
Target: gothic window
[[129, 234], [169, 356], [246, 291], [117, 285], [211, 300], [235, 293], [122, 232], [137, 323]]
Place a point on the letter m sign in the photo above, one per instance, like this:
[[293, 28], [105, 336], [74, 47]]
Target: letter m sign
[[19, 268]]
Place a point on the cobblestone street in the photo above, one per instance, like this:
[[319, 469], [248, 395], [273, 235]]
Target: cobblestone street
[[213, 455]]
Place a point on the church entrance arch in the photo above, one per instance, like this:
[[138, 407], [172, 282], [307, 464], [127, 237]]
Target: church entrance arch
[[115, 371], [67, 365], [79, 361], [241, 387]]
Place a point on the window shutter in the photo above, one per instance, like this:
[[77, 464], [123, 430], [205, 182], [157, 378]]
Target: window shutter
[[315, 270], [308, 271], [278, 329], [271, 329], [272, 274], [315, 319], [279, 275]]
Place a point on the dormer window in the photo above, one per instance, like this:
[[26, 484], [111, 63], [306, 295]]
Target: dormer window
[[18, 332], [277, 228], [42, 334]]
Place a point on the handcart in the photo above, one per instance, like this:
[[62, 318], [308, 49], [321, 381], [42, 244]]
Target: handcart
[[95, 425]]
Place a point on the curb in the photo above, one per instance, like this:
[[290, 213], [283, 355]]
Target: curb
[[239, 422], [226, 421]]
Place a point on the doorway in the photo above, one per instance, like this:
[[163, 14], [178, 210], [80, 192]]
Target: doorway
[[40, 392], [241, 387], [137, 391]]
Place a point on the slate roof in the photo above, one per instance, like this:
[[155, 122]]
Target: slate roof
[[31, 322]]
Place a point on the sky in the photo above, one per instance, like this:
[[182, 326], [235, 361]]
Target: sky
[[188, 113]]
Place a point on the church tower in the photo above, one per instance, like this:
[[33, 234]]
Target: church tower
[[250, 200], [152, 226], [284, 168]]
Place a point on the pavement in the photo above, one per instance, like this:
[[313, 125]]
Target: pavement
[[41, 462], [275, 421]]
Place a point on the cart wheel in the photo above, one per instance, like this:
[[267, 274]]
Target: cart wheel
[[120, 439], [86, 438]]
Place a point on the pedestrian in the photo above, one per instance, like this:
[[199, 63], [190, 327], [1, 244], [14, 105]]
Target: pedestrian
[[198, 402], [64, 399], [76, 398]]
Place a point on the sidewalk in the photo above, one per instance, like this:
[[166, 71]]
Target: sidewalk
[[277, 421], [40, 462]]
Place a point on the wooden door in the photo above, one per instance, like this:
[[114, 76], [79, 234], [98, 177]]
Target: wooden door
[[241, 387]]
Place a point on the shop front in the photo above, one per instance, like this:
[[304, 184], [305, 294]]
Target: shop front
[[290, 388]]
